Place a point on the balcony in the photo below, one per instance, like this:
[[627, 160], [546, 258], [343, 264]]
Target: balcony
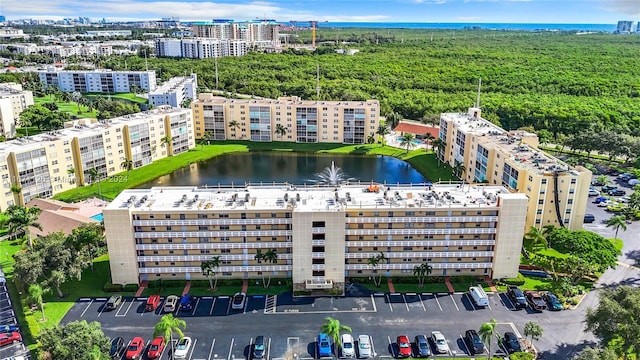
[[425, 254], [432, 231], [410, 266], [419, 243], [214, 246], [420, 219], [318, 284], [198, 234]]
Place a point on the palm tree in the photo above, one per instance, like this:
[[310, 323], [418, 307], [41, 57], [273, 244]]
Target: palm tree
[[17, 194], [422, 271], [487, 332], [210, 267], [438, 145], [72, 175], [371, 138], [36, 292], [76, 96], [166, 141], [374, 262], [333, 328], [536, 236], [381, 132], [206, 137], [93, 175], [428, 138], [271, 256], [167, 326], [20, 218], [459, 168], [234, 125], [603, 179], [280, 131], [406, 141], [617, 222], [127, 164]]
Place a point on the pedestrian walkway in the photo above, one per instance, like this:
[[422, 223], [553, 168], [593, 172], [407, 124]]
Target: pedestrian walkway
[[447, 281], [392, 289], [187, 287], [245, 285], [143, 285], [487, 279]]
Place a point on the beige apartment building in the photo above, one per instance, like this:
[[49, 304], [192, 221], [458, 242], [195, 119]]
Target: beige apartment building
[[49, 163], [557, 192], [319, 236], [304, 121], [13, 100]]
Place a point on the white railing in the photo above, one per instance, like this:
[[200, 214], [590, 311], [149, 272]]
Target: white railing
[[424, 254], [318, 284], [318, 255], [318, 242], [422, 243], [451, 231], [204, 257], [420, 219], [410, 266], [197, 234], [212, 222], [213, 246], [198, 270]]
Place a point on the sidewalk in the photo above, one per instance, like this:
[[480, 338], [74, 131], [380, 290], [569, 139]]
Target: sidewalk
[[447, 281], [143, 285], [392, 289], [187, 287]]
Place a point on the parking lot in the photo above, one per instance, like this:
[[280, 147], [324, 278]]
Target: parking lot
[[292, 324], [8, 317]]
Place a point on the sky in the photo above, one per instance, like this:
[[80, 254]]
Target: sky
[[473, 11]]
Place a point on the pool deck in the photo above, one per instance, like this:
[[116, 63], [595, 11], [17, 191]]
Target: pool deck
[[392, 140], [91, 207]]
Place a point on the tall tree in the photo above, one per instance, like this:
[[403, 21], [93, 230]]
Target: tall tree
[[487, 332], [459, 168], [127, 164], [72, 175], [533, 330], [617, 222], [428, 139], [616, 319], [234, 126], [209, 268], [439, 145], [280, 131], [74, 340], [20, 218], [536, 237], [406, 141], [94, 175], [17, 194], [332, 327], [382, 131], [167, 326], [421, 271], [271, 256], [374, 262], [166, 141], [590, 353], [36, 292]]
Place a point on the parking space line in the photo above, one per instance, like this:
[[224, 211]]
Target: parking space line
[[87, 308], [405, 302], [101, 309], [393, 351], [489, 305], [246, 303], [213, 303], [421, 302], [373, 302], [508, 300], [193, 348], [195, 307], [473, 303], [128, 308], [389, 302], [373, 349], [268, 348], [464, 343], [230, 349], [437, 301], [229, 306], [515, 330], [213, 344], [454, 302]]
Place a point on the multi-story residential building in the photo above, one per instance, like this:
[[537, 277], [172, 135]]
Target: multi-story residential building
[[7, 33], [624, 27], [99, 81], [13, 100], [303, 121], [109, 33], [49, 163], [319, 235], [257, 31], [557, 192], [175, 91], [200, 48]]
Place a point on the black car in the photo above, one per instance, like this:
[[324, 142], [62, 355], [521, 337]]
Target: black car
[[597, 183], [474, 342], [589, 218], [517, 297], [259, 347], [511, 342], [608, 188], [422, 346], [617, 192], [117, 346]]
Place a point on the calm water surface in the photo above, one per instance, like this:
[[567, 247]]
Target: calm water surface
[[294, 168]]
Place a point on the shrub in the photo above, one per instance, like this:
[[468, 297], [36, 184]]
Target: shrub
[[302, 293], [131, 287], [518, 281], [109, 287], [521, 356]]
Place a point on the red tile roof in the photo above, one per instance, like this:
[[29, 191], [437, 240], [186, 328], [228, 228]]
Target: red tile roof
[[417, 129]]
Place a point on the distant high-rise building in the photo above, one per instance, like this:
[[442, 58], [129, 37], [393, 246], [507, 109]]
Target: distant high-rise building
[[624, 27], [2, 18]]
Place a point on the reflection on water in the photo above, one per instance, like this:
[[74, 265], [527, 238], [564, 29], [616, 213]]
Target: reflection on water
[[294, 168]]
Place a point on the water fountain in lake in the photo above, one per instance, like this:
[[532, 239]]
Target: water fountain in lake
[[331, 176]]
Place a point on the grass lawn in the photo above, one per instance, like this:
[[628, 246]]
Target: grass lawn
[[70, 107], [427, 288], [125, 96]]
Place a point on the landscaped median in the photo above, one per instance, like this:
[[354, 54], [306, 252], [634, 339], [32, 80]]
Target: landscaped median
[[425, 162]]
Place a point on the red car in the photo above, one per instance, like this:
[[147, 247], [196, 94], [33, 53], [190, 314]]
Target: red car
[[134, 350], [404, 346], [156, 347], [10, 338], [152, 303]]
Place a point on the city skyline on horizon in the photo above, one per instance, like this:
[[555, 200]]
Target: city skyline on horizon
[[384, 11]]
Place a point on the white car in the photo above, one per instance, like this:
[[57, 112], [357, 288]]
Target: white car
[[182, 349], [170, 303], [364, 347], [633, 182], [594, 192], [347, 345], [607, 203], [440, 342]]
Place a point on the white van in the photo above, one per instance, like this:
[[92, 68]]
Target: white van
[[479, 296], [348, 348]]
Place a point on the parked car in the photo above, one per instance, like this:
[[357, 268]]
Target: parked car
[[474, 342], [113, 302], [134, 350], [259, 347], [511, 342], [626, 176], [404, 346], [422, 346], [593, 192], [156, 348], [597, 183], [10, 338], [617, 192], [624, 199], [152, 303], [348, 346], [553, 301], [608, 188], [182, 349], [613, 172], [517, 297], [170, 303], [324, 346], [600, 199], [479, 296], [117, 346], [238, 301], [633, 182], [616, 208], [364, 346], [9, 328], [186, 302], [589, 218], [535, 300], [606, 203], [440, 342]]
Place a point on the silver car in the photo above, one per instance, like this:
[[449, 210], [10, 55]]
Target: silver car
[[182, 349], [440, 342], [364, 347], [170, 303]]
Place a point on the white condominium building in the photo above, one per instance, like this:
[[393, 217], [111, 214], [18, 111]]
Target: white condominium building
[[13, 100], [175, 91], [98, 81], [200, 48]]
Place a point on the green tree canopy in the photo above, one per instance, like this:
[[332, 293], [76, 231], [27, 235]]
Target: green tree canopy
[[74, 340]]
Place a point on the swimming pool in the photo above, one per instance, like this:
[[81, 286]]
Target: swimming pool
[[415, 142], [98, 217]]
